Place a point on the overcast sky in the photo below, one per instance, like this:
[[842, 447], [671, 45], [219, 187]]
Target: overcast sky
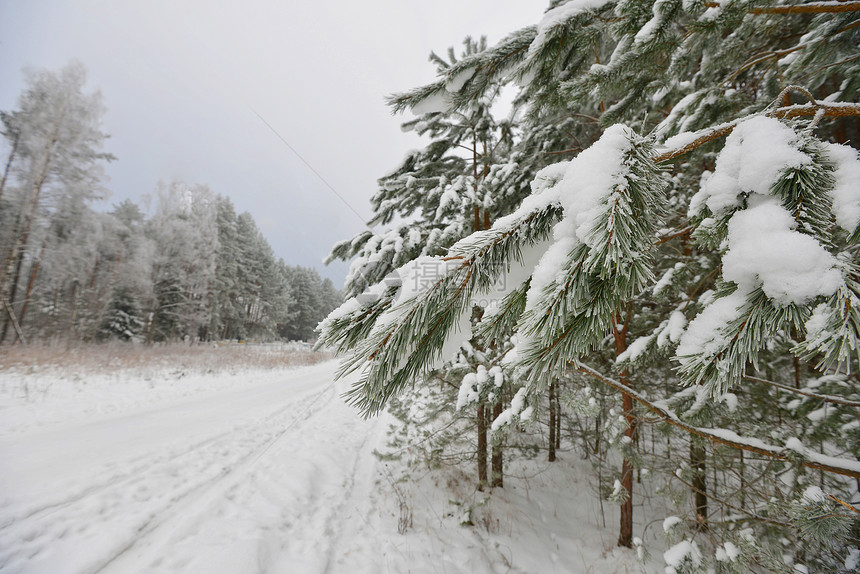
[[186, 83]]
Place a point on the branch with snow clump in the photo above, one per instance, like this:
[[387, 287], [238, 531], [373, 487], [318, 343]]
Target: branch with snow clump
[[787, 453]]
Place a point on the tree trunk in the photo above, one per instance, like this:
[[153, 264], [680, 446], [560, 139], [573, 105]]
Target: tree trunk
[[74, 318], [557, 419], [482, 446], [34, 271], [625, 535], [14, 320], [21, 233], [497, 474], [9, 161], [552, 416], [700, 488], [13, 289]]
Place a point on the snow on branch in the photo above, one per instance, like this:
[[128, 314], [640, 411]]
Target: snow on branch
[[419, 326], [601, 255], [825, 398], [806, 8], [684, 143], [468, 78], [792, 450]]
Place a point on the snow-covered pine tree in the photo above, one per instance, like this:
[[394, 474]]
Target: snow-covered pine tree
[[735, 258], [441, 192], [185, 233], [123, 317], [460, 182]]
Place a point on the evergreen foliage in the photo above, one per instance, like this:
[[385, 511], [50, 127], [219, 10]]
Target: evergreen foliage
[[699, 256]]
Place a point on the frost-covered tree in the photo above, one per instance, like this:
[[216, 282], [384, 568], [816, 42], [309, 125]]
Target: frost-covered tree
[[123, 318], [313, 299], [441, 192], [54, 142], [705, 238], [186, 234], [460, 182]]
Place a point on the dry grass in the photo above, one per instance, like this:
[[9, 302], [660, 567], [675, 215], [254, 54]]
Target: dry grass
[[204, 358]]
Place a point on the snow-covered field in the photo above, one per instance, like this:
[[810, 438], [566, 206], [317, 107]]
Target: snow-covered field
[[264, 470]]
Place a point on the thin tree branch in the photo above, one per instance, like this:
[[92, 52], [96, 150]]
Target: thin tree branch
[[825, 398], [721, 436], [843, 503], [808, 8], [787, 112], [673, 234], [727, 504], [571, 150]]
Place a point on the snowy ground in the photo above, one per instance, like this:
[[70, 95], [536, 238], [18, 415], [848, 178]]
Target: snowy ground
[[257, 471]]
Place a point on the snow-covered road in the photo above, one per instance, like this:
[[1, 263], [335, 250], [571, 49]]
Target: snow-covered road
[[270, 474]]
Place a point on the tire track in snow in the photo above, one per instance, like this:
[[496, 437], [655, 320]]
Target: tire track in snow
[[196, 501], [26, 534]]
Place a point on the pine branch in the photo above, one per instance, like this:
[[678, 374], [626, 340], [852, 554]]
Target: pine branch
[[398, 352], [825, 398], [727, 438], [807, 8], [727, 504], [828, 109], [488, 65]]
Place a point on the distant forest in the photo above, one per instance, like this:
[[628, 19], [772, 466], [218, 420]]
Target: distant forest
[[191, 269]]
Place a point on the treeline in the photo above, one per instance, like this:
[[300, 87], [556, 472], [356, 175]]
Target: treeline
[[193, 269]]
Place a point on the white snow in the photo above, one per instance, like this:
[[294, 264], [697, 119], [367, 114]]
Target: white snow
[[544, 194], [450, 198], [457, 81], [814, 494], [517, 405], [666, 279], [261, 471], [675, 326], [765, 250], [559, 16], [498, 376], [662, 128], [846, 191], [705, 333], [414, 278], [729, 552], [635, 349], [437, 102], [819, 415], [756, 153], [795, 444], [591, 177], [852, 561], [257, 471], [468, 392], [646, 32], [817, 321], [731, 401], [670, 522], [686, 550], [549, 269]]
